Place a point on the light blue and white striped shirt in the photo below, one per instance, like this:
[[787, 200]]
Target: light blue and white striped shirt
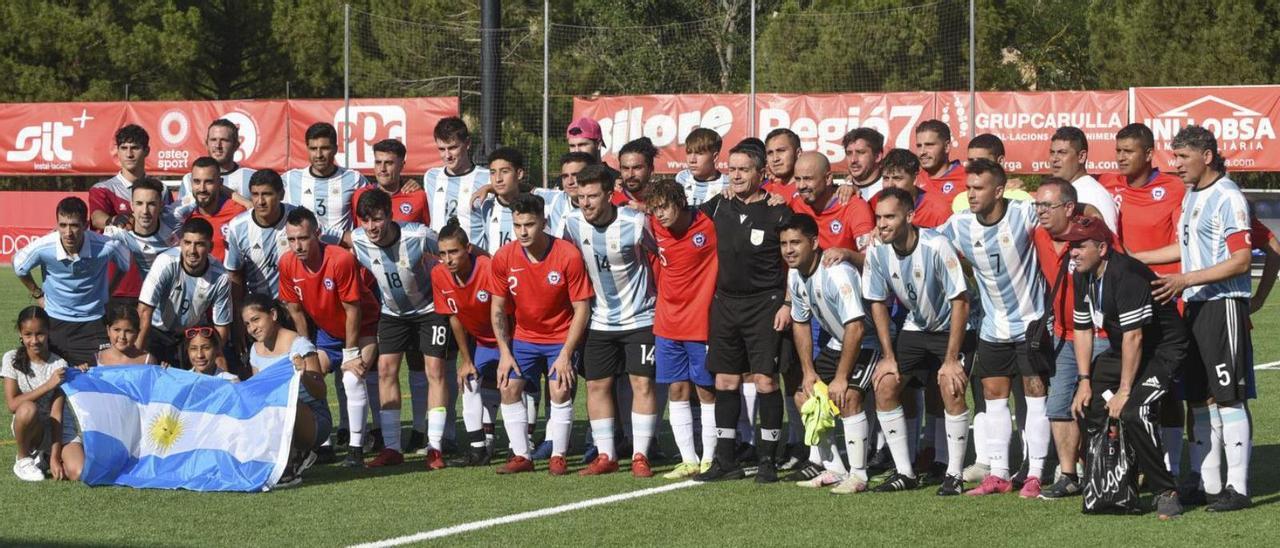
[[403, 269], [255, 251], [497, 228], [832, 294], [450, 196], [329, 198], [696, 192], [75, 286], [181, 299], [145, 249], [617, 257], [1209, 215], [1004, 263], [924, 281]]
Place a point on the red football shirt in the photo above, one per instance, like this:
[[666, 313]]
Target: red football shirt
[[543, 291], [931, 212], [686, 275], [772, 186], [321, 293], [1148, 215], [848, 225], [621, 197], [468, 301], [221, 222], [405, 208], [1051, 261], [946, 185]]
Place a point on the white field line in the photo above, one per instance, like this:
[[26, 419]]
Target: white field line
[[1269, 365], [513, 518]]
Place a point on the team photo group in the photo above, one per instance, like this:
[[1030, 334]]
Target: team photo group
[[877, 327]]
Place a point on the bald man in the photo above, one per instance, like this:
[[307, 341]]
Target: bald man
[[844, 225]]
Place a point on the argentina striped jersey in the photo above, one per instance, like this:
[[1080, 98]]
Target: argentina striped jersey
[[924, 281], [450, 196], [254, 251], [696, 192], [403, 269], [617, 257], [328, 197], [1209, 216], [181, 299], [831, 294]]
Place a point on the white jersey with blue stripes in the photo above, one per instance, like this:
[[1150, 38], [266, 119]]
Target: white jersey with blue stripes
[[1209, 215], [923, 281], [450, 196], [617, 257], [1004, 263], [145, 249], [181, 299], [403, 269], [498, 229], [237, 181], [833, 295], [255, 250], [328, 197], [696, 192], [556, 204]]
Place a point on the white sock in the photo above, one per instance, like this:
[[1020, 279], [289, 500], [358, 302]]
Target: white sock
[[643, 426], [1171, 436], [559, 426], [390, 422], [436, 418], [516, 423], [795, 423], [855, 437], [357, 401], [747, 420], [829, 453], [682, 429], [625, 399], [942, 449], [1237, 444], [1211, 464], [472, 407], [418, 400], [980, 455], [880, 443], [957, 428], [707, 416], [602, 434], [1037, 436], [999, 427], [894, 424], [375, 403]]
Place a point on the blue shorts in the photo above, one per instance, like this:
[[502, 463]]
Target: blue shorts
[[679, 361], [820, 337], [534, 360], [485, 359], [331, 346], [1062, 387]]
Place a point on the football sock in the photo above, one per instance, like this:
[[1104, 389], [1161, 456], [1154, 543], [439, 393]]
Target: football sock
[[707, 414], [980, 453], [643, 427], [855, 436], [1211, 473], [1237, 444], [682, 430], [829, 453], [1172, 438], [747, 415], [390, 421], [1037, 436], [516, 423], [472, 407], [728, 410], [436, 417], [418, 400], [999, 427], [602, 433], [559, 426], [770, 424], [957, 429], [357, 401], [894, 424]]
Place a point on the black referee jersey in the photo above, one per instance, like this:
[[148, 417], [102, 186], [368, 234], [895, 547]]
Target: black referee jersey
[[747, 244]]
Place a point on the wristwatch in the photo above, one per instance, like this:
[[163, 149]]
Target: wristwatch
[[1082, 378], [37, 294]]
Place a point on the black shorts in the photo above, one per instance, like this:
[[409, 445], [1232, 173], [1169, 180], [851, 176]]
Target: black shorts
[[425, 334], [1218, 357], [741, 338], [863, 366], [1008, 360], [608, 354], [920, 354], [77, 342]]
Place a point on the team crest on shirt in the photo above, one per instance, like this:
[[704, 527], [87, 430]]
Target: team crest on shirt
[[1196, 214], [404, 262], [699, 239], [482, 296], [406, 208], [1157, 193], [917, 274], [951, 263], [846, 290], [947, 187], [553, 277], [757, 236], [836, 227], [615, 247], [328, 284], [226, 229]]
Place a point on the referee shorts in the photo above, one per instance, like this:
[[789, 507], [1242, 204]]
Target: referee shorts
[[425, 334], [1219, 354], [741, 338], [608, 354]]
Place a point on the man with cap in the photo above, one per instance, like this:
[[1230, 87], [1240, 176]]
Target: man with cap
[[1148, 342], [584, 135]]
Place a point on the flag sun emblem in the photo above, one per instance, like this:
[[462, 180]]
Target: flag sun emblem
[[165, 430]]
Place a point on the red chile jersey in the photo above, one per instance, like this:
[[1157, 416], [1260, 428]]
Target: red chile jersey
[[543, 292], [321, 293], [944, 186], [774, 186], [221, 222], [469, 301], [1148, 215], [686, 272], [848, 225], [405, 207], [621, 197], [930, 213]]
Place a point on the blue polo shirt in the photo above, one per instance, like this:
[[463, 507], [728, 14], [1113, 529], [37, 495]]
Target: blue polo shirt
[[75, 286]]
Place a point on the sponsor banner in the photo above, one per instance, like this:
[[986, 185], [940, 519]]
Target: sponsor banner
[[78, 138], [27, 216], [1244, 119], [666, 120], [822, 120], [1025, 122], [410, 120]]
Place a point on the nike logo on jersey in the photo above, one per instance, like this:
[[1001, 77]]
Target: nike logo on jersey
[[296, 280], [517, 270]]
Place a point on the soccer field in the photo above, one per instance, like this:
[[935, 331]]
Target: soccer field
[[335, 506]]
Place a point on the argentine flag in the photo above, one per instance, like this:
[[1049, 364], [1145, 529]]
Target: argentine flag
[[149, 427]]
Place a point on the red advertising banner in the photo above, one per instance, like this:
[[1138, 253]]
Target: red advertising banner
[[27, 216], [821, 121], [666, 120], [1244, 119], [411, 120], [1025, 122], [77, 138]]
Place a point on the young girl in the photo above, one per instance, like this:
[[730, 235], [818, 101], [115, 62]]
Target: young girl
[[202, 350], [122, 331], [276, 346], [31, 378]]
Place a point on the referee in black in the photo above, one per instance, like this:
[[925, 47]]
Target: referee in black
[[749, 312]]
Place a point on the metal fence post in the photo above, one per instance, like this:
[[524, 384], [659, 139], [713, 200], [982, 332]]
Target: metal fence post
[[751, 97], [973, 55], [546, 90], [346, 82]]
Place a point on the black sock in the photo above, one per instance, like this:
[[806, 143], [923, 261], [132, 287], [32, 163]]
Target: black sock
[[770, 431], [476, 437], [1072, 477], [728, 407]]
